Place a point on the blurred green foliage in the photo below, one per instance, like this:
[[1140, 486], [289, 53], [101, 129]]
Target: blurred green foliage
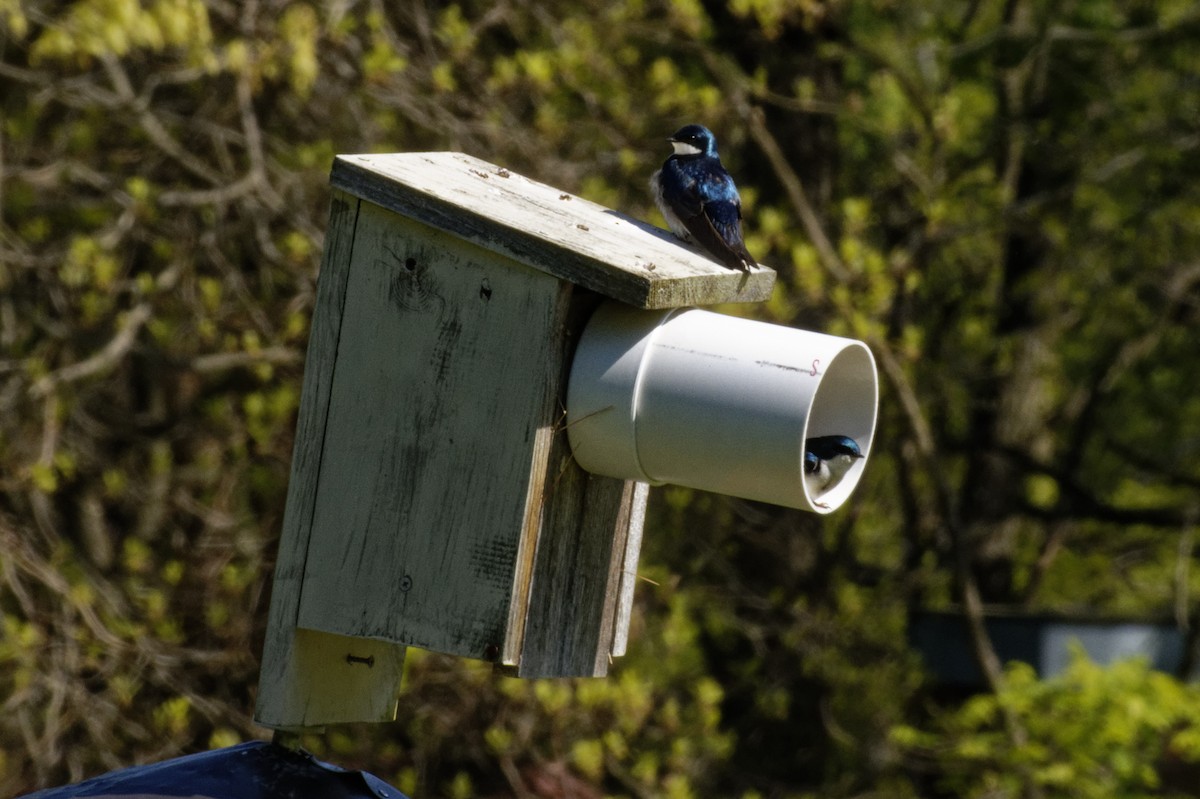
[[1001, 199], [1113, 732]]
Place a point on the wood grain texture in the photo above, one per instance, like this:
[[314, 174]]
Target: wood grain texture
[[302, 681], [446, 371], [574, 602], [548, 229], [633, 549]]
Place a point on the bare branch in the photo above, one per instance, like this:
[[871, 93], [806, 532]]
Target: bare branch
[[216, 196], [224, 361], [152, 127], [254, 145], [798, 197], [116, 349]]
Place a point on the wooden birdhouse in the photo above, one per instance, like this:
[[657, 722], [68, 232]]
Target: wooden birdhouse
[[434, 497]]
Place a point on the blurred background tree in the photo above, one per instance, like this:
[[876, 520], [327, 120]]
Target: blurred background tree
[[1002, 199]]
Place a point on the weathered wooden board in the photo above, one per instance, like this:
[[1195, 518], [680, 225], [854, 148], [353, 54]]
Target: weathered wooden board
[[446, 371], [573, 604], [551, 230], [629, 567], [308, 680], [570, 620]]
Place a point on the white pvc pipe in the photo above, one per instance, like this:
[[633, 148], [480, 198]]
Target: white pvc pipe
[[716, 402]]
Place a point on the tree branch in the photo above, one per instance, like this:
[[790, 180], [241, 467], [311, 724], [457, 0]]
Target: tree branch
[[794, 188], [152, 127], [223, 361], [116, 349]]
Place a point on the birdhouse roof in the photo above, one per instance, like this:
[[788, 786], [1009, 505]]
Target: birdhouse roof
[[548, 229]]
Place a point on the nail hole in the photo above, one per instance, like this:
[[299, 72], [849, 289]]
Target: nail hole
[[410, 264]]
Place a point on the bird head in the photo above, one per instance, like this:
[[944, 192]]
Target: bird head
[[829, 447], [694, 140]]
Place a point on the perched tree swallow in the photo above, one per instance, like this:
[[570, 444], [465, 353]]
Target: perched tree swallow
[[826, 461], [698, 199]]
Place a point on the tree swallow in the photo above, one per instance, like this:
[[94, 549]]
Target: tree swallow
[[826, 461], [698, 198]]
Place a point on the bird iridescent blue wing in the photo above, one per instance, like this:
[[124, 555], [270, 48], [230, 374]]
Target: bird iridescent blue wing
[[707, 203], [726, 218]]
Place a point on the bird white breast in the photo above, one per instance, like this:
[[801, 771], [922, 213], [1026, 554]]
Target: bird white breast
[[838, 466], [683, 148], [818, 481], [828, 474]]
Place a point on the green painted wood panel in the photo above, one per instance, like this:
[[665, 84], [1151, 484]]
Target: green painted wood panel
[[310, 680], [445, 371]]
